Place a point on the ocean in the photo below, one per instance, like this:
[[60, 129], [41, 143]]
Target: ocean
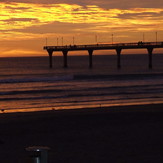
[[28, 84]]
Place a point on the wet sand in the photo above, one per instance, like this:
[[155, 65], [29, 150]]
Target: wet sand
[[127, 134]]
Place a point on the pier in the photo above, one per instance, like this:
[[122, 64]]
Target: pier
[[92, 47]]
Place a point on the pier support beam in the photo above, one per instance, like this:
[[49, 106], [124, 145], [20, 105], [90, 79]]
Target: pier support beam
[[118, 50], [65, 52], [50, 52], [90, 57], [150, 50]]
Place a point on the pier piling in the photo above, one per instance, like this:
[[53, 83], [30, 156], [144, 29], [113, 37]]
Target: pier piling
[[50, 52], [118, 50], [65, 52], [150, 50], [90, 57]]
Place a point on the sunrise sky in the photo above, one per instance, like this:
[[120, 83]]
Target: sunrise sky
[[27, 25]]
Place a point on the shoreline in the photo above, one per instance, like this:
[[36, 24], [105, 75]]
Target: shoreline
[[116, 134], [140, 108]]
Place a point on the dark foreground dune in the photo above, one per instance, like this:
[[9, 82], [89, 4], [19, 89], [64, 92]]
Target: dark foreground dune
[[128, 134]]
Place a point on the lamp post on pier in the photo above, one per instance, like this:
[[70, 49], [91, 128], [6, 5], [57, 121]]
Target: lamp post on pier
[[112, 38], [73, 40], [62, 41], [46, 40], [156, 37], [57, 41], [96, 39], [143, 37]]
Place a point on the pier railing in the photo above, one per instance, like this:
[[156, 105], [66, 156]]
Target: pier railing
[[139, 44]]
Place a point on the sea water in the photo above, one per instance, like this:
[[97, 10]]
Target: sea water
[[28, 84]]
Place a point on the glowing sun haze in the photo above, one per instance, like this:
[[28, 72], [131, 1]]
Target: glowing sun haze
[[25, 25]]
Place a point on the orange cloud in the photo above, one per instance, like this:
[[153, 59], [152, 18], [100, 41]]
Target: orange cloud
[[20, 21], [22, 15]]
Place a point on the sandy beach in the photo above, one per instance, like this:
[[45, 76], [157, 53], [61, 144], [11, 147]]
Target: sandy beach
[[117, 134]]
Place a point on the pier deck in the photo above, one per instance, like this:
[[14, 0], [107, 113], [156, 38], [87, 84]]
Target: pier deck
[[90, 48]]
